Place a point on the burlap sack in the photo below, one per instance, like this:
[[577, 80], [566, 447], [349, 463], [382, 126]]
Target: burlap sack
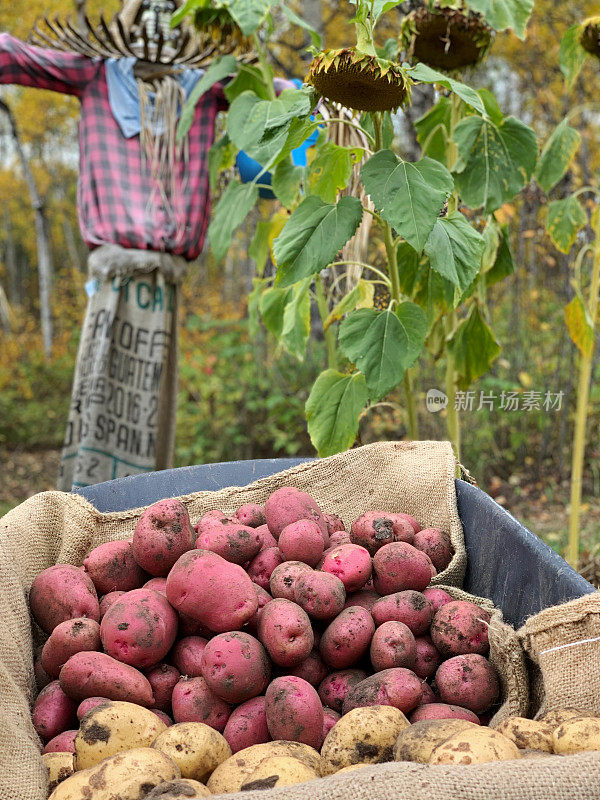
[[563, 643]]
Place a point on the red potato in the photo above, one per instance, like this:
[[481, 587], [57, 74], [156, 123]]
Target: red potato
[[60, 593], [400, 566], [410, 607], [284, 577], [162, 716], [139, 628], [89, 703], [460, 627], [334, 689], [436, 544], [68, 638], [107, 601], [287, 505], [112, 568], [428, 658], [397, 687], [365, 598], [186, 655], [266, 537], [261, 567], [235, 666], [294, 711], [302, 541], [157, 585], [393, 645], [162, 535], [338, 538], [251, 514], [63, 743], [312, 669], [411, 520], [212, 591], [191, 627], [335, 524], [442, 711], [233, 541], [98, 675], [193, 701], [53, 711], [263, 598], [347, 638], [247, 725], [320, 594], [468, 680], [208, 519], [285, 631], [375, 529], [330, 717], [429, 696], [437, 597], [162, 679], [351, 564], [41, 676]]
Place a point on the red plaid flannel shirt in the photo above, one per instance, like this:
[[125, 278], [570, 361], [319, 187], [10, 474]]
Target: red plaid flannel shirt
[[114, 189]]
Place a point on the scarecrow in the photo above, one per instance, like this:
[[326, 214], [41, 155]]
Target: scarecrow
[[143, 202]]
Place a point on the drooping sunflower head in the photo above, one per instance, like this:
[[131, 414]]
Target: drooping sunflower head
[[590, 36], [445, 38], [216, 23], [359, 81]]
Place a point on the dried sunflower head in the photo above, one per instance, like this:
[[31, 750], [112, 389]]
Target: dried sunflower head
[[445, 38], [360, 81], [590, 36], [217, 24]]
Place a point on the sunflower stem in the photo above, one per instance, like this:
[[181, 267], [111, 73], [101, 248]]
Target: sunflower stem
[[329, 333], [264, 66]]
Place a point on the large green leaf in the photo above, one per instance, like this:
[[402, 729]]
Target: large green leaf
[[495, 161], [491, 243], [315, 36], [221, 156], [383, 344], [579, 325], [424, 74], [286, 182], [556, 156], [564, 219], [474, 348], [571, 55], [455, 249], [286, 314], [433, 130], [233, 208], [313, 235], [247, 79], [332, 169], [218, 70], [333, 410], [503, 14], [259, 246], [504, 264], [361, 296], [248, 13], [408, 195]]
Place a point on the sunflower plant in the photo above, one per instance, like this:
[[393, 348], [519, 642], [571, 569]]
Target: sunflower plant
[[435, 216]]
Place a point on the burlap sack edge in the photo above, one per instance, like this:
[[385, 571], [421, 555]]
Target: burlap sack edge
[[546, 622]]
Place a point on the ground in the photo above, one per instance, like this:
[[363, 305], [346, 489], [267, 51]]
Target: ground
[[544, 510]]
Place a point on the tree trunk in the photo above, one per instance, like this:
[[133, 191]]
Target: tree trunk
[[15, 291], [45, 268]]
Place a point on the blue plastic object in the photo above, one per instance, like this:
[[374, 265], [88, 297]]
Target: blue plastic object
[[506, 562]]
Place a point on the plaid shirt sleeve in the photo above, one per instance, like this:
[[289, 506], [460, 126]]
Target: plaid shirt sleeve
[[26, 65]]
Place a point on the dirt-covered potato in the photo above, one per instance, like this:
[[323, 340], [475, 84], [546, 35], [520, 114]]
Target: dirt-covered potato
[[419, 740], [557, 716], [577, 735], [279, 771], [363, 735], [196, 748], [60, 767], [475, 745], [352, 768], [527, 734], [113, 728], [181, 789], [124, 776], [231, 774]]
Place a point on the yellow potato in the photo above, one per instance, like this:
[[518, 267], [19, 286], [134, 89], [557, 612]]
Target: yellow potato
[[113, 728], [577, 735], [352, 767], [527, 734], [196, 748], [181, 789], [475, 745], [124, 776], [60, 767], [419, 740], [557, 716], [529, 753], [279, 771], [231, 774], [363, 735]]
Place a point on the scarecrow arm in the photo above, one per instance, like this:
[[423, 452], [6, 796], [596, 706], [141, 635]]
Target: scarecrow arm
[[42, 68]]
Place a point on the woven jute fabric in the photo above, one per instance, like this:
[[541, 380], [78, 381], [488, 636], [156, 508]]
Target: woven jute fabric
[[563, 643]]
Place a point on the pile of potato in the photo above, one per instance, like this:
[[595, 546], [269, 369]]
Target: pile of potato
[[273, 632]]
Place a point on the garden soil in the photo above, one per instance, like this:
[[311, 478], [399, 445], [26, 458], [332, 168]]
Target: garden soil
[[418, 478]]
